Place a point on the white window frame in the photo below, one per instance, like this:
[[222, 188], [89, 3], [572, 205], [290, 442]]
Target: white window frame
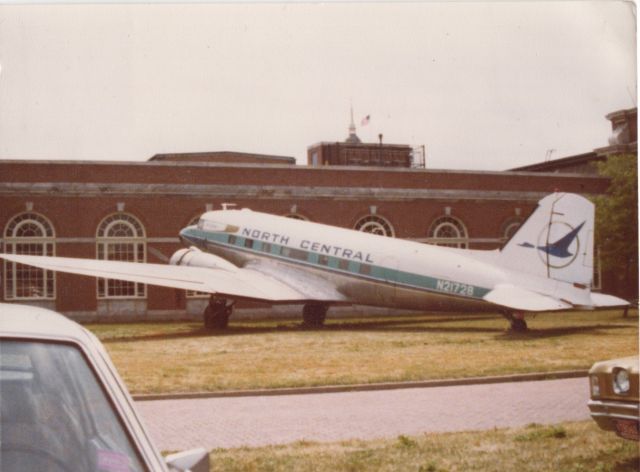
[[597, 271], [455, 225], [107, 243], [510, 228], [371, 223], [43, 244]]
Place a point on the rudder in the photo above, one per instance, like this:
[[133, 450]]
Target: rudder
[[556, 241]]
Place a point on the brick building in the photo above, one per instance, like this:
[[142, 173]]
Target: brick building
[[359, 154], [353, 152], [623, 140], [134, 211]]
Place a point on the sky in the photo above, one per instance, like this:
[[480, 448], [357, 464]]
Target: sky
[[483, 86]]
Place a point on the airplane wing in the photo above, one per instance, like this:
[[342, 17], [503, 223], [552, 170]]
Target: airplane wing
[[242, 283], [519, 298]]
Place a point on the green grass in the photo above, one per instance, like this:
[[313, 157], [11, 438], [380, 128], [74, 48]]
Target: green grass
[[569, 447], [183, 357]]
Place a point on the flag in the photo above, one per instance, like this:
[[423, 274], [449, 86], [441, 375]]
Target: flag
[[365, 120]]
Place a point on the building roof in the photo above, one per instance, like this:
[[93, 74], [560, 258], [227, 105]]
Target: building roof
[[558, 165], [27, 321], [224, 156], [266, 181], [623, 114], [360, 144], [353, 139]]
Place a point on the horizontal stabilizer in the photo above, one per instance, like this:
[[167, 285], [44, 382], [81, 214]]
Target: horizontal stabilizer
[[601, 300], [518, 298]]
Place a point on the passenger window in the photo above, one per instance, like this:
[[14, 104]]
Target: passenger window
[[295, 253]]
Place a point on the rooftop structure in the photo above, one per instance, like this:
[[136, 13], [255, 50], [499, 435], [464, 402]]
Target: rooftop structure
[[623, 140], [224, 156]]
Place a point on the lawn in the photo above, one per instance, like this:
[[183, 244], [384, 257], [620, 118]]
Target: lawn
[[183, 357], [569, 447]]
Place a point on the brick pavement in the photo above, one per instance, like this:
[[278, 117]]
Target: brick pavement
[[258, 421]]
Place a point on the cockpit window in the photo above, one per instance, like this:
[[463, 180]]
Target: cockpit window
[[216, 226], [55, 415]]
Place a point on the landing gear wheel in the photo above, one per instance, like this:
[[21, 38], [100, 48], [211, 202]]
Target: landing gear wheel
[[314, 315], [518, 323], [217, 313]]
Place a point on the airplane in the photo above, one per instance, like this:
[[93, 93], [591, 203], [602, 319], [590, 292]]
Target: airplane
[[240, 254]]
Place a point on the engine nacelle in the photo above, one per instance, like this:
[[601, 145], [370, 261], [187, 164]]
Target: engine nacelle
[[194, 257]]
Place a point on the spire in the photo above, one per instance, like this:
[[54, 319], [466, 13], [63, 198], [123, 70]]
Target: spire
[[352, 126], [353, 138]]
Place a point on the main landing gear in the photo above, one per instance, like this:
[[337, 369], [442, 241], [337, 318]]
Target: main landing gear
[[217, 313], [516, 318], [314, 315]]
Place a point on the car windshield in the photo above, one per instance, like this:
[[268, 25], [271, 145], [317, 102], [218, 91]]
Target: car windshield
[[55, 415]]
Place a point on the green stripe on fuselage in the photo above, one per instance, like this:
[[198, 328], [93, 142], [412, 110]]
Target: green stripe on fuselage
[[205, 239]]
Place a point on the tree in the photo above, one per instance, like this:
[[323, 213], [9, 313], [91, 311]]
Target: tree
[[617, 223]]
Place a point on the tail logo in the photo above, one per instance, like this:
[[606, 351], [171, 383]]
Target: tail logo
[[558, 244]]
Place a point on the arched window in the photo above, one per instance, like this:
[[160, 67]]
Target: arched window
[[375, 224], [121, 237], [509, 228], [449, 231], [32, 234]]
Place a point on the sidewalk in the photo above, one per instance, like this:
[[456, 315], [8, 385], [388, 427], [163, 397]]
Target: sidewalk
[[253, 421]]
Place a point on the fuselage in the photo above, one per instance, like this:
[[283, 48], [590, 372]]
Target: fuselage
[[365, 268]]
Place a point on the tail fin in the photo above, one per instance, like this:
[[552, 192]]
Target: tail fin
[[556, 241]]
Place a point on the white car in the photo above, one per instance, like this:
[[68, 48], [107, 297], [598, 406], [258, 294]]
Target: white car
[[63, 406]]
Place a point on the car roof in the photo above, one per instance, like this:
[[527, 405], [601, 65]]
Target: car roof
[[27, 321]]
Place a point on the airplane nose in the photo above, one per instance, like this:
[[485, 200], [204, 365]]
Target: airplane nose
[[185, 237]]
